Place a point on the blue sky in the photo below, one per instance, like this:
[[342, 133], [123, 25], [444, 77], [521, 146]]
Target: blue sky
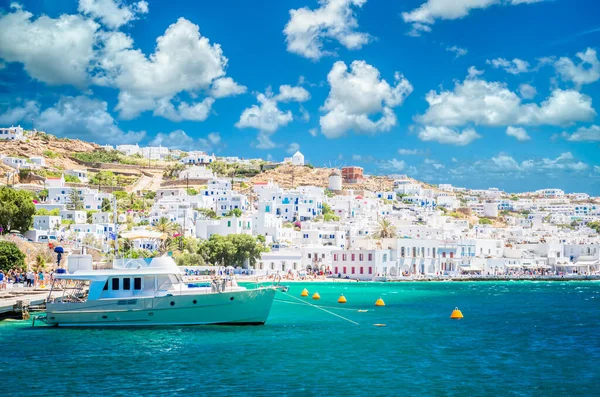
[[500, 93]]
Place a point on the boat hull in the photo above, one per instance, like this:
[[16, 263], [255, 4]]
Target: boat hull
[[249, 307]]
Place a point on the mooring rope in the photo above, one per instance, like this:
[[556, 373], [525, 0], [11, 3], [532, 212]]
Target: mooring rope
[[320, 308]]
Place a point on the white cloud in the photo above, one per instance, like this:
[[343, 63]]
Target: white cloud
[[308, 29], [429, 161], [293, 148], [424, 16], [54, 51], [225, 86], [264, 117], [357, 94], [516, 66], [287, 93], [393, 165], [410, 152], [458, 52], [177, 139], [527, 91], [356, 157], [585, 72], [214, 138], [264, 141], [506, 164], [492, 104], [313, 131], [597, 168], [584, 134], [518, 133], [84, 118], [24, 113], [112, 13], [212, 142], [195, 112], [445, 135], [183, 61], [305, 116]]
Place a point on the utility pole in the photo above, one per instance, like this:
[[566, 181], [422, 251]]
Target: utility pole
[[116, 225]]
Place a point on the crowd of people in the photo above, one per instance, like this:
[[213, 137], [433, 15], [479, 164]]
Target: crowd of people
[[30, 278]]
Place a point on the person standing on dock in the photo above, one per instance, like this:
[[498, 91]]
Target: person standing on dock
[[3, 280]]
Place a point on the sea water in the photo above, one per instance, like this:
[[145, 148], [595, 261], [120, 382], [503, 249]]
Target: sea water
[[516, 338]]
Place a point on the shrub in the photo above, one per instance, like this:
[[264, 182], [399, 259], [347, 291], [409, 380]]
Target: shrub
[[72, 179], [11, 256], [50, 154]]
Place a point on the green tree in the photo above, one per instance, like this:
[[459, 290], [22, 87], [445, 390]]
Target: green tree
[[385, 229], [75, 200], [231, 250], [16, 210], [11, 256], [192, 192], [43, 194], [485, 221], [163, 225], [236, 212], [106, 205], [207, 212]]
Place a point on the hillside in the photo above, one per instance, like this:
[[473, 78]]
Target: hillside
[[305, 176], [56, 151]]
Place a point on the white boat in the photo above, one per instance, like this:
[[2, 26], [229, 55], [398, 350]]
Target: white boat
[[145, 292]]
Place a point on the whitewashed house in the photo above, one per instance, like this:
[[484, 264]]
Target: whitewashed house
[[298, 158], [82, 175], [129, 150], [46, 222], [155, 152], [12, 134], [196, 172]]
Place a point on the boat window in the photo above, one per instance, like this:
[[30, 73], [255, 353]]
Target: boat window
[[115, 284], [105, 286], [137, 283], [126, 284]]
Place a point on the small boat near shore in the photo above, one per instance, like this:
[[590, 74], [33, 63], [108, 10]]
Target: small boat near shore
[[150, 292]]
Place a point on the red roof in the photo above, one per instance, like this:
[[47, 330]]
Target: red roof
[[359, 197]]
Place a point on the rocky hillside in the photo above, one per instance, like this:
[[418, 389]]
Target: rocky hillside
[[55, 150], [306, 176]]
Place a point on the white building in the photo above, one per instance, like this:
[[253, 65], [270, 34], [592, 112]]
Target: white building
[[223, 226], [82, 175], [197, 157], [196, 172], [362, 264], [12, 134], [155, 152], [129, 150], [298, 159], [46, 222]]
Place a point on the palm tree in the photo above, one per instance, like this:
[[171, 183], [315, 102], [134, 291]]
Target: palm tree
[[385, 229], [165, 226]]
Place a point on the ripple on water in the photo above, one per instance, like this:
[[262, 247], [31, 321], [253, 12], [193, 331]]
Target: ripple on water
[[536, 337]]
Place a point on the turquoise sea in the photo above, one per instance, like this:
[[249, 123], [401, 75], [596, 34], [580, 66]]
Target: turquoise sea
[[516, 339]]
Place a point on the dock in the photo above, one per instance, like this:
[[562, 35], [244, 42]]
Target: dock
[[35, 297]]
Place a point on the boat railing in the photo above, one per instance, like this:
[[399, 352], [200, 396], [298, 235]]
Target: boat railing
[[73, 291]]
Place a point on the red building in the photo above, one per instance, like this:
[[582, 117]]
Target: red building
[[352, 174]]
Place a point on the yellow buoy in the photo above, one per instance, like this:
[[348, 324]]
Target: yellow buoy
[[316, 296], [456, 314], [379, 302], [342, 299], [304, 292]]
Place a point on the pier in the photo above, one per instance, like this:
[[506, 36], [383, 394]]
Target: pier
[[10, 299]]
